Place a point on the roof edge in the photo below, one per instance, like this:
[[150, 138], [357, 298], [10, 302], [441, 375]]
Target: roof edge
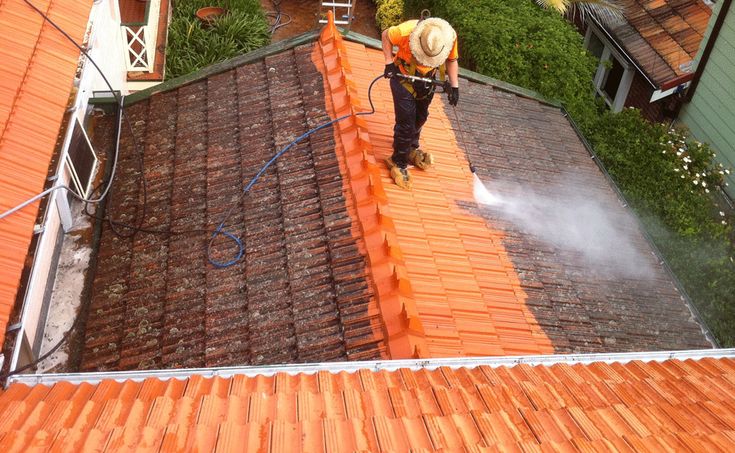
[[222, 66], [375, 366], [464, 73]]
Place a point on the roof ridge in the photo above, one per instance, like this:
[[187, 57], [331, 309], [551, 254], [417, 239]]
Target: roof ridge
[[401, 322]]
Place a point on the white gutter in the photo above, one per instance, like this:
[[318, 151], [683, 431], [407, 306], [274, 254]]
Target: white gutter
[[658, 94], [379, 365]]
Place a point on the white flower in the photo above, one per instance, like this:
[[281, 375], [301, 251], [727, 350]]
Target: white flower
[[663, 152], [697, 175], [682, 176], [686, 167], [696, 182], [725, 223], [706, 190], [727, 171], [704, 184], [677, 170], [722, 214]]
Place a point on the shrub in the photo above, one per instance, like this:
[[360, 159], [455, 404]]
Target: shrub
[[388, 13], [191, 47]]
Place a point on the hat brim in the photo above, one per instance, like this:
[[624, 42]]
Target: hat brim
[[448, 36]]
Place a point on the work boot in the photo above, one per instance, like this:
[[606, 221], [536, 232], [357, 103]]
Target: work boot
[[401, 176], [420, 159]]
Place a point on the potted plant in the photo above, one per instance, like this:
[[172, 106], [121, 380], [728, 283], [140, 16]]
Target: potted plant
[[209, 14]]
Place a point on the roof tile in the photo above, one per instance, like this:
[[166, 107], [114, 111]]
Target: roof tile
[[297, 415], [36, 78], [662, 35]]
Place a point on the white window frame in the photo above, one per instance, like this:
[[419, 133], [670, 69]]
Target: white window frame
[[608, 53]]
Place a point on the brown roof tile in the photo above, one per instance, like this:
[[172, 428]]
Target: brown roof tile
[[299, 294], [662, 35], [521, 144]]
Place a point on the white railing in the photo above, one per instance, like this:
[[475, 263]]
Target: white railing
[[139, 40]]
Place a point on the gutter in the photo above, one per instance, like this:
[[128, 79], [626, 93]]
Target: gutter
[[375, 366], [708, 48], [662, 261]]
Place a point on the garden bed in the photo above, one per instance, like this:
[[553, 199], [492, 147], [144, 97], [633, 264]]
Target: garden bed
[[193, 44]]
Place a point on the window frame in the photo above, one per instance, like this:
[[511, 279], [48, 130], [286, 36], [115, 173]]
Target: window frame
[[608, 54]]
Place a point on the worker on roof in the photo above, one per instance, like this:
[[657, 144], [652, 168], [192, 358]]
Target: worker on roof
[[426, 48]]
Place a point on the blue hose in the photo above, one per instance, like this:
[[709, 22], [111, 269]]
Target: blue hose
[[220, 228]]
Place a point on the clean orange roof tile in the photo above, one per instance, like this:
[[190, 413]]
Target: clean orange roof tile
[[445, 285], [35, 83], [471, 409]]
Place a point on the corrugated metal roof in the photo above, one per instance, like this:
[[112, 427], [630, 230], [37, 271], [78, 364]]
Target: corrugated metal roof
[[670, 405], [38, 66]]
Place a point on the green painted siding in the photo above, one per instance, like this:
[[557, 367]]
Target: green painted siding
[[711, 114]]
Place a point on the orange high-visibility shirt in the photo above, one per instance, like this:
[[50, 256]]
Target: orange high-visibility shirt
[[398, 36]]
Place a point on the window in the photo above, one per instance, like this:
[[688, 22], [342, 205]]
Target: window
[[614, 75], [595, 46], [613, 78]]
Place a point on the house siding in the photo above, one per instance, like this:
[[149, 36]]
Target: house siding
[[711, 113]]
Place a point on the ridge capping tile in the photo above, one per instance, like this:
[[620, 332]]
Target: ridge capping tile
[[393, 289]]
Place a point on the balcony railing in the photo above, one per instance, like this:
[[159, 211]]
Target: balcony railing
[[139, 37]]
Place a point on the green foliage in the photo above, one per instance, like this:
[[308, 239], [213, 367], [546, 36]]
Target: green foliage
[[191, 46], [663, 172], [388, 13]]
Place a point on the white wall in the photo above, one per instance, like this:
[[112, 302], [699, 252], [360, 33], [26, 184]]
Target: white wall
[[107, 50]]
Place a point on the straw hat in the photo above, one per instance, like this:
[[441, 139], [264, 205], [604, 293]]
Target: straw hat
[[431, 41]]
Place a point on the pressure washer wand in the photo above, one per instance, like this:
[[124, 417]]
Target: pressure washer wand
[[420, 79], [461, 136]]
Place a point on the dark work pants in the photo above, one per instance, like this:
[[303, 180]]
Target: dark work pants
[[411, 114]]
